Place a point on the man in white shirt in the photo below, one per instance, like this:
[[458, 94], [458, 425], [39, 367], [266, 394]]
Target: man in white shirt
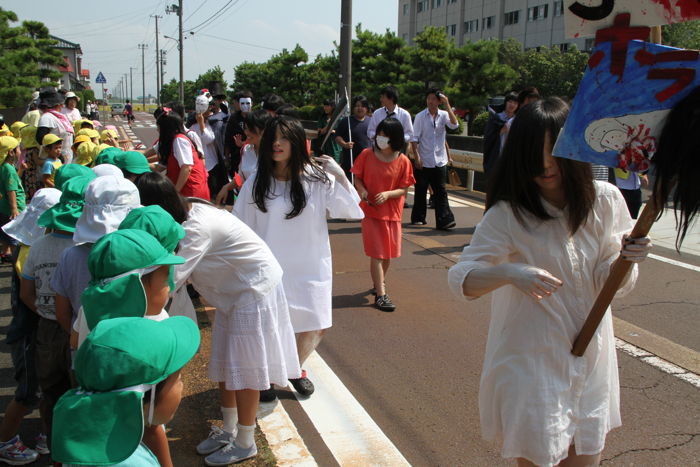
[[428, 142], [389, 99]]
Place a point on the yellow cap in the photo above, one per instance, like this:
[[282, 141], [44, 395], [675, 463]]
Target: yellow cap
[[80, 139], [87, 153], [15, 127], [107, 133], [50, 139], [89, 132], [7, 144], [28, 134], [4, 130], [78, 123]]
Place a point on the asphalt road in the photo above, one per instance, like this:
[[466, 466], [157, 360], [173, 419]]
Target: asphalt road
[[416, 371]]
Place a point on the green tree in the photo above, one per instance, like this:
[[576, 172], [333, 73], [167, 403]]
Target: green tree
[[552, 72], [478, 75], [428, 64], [26, 54], [684, 35]]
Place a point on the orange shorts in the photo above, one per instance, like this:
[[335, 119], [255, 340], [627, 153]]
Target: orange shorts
[[381, 238]]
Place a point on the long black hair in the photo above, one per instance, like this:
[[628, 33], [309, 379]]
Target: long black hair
[[300, 164], [677, 163], [523, 159], [255, 121], [169, 126], [155, 189]]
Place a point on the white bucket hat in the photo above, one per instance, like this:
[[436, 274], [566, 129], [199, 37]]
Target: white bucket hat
[[24, 228], [108, 200], [104, 170], [70, 94]]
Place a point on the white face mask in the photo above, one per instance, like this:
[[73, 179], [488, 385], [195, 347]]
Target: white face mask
[[246, 104], [382, 142]]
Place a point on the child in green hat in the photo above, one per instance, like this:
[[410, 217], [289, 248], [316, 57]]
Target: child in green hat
[[130, 272], [68, 171], [133, 164], [52, 352], [12, 200], [128, 372]]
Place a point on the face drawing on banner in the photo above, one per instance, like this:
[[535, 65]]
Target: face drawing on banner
[[634, 137], [246, 104]]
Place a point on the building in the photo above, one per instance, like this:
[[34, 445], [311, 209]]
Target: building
[[533, 23], [72, 78]]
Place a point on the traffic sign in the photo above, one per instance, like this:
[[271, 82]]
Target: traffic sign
[[100, 78]]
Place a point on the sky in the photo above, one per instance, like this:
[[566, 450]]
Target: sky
[[247, 30]]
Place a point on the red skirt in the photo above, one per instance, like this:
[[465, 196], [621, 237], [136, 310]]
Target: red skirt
[[381, 238]]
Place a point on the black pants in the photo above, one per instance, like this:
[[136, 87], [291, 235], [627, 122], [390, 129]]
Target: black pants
[[633, 198], [436, 177]]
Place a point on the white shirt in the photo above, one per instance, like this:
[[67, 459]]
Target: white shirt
[[182, 150], [208, 144], [429, 133], [48, 120], [249, 162], [400, 114], [301, 244], [534, 394], [71, 115], [225, 260]]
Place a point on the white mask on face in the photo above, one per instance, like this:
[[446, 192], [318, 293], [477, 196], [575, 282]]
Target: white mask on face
[[246, 104], [382, 142]]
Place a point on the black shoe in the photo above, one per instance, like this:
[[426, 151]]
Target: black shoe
[[384, 303], [268, 395], [448, 226], [303, 385]]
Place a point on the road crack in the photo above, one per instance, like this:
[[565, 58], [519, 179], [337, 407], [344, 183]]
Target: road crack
[[691, 437]]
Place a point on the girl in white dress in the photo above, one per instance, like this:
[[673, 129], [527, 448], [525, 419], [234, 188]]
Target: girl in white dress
[[545, 246], [287, 202], [252, 337]]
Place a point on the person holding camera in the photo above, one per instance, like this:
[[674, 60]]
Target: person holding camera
[[428, 142]]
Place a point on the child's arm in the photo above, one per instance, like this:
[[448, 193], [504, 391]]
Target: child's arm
[[12, 198], [47, 182], [27, 293], [64, 312], [380, 198], [361, 189]]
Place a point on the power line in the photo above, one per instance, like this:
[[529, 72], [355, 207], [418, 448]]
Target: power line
[[228, 5], [198, 8], [239, 42]]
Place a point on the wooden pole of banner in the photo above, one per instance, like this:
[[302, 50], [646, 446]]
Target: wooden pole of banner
[[620, 268]]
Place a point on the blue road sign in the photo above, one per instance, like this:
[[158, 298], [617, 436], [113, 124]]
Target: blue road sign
[[100, 78]]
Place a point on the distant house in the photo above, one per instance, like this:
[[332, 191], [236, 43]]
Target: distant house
[[72, 79]]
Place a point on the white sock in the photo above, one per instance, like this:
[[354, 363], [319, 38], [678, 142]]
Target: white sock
[[230, 418], [246, 436]]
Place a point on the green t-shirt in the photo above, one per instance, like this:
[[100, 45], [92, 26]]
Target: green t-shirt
[[9, 181]]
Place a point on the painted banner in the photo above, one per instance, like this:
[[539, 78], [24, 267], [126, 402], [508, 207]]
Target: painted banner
[[622, 102], [584, 17]]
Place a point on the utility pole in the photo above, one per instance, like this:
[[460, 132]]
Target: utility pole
[[163, 62], [126, 86], [143, 48], [131, 82], [177, 9], [159, 83], [345, 81]]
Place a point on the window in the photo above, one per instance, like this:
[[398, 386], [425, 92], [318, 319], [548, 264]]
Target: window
[[564, 47], [487, 23], [471, 26], [437, 3], [453, 30], [422, 5], [558, 7], [590, 43], [536, 13], [405, 9], [511, 17]]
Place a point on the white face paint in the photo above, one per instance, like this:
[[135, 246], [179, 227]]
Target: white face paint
[[246, 104], [382, 142]]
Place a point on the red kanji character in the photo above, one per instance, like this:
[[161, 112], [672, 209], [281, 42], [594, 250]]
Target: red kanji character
[[620, 34]]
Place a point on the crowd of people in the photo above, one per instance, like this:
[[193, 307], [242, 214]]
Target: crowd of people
[[233, 200]]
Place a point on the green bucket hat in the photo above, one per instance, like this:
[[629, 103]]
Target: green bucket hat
[[68, 171], [65, 214], [156, 221], [132, 161], [116, 262], [101, 422], [107, 155]]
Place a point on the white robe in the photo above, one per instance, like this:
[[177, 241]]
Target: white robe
[[534, 394], [301, 244]]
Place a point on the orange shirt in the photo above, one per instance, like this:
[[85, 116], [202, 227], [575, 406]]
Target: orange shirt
[[379, 176]]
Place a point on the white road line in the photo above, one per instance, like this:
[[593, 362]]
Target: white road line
[[346, 428], [674, 262], [658, 363]]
